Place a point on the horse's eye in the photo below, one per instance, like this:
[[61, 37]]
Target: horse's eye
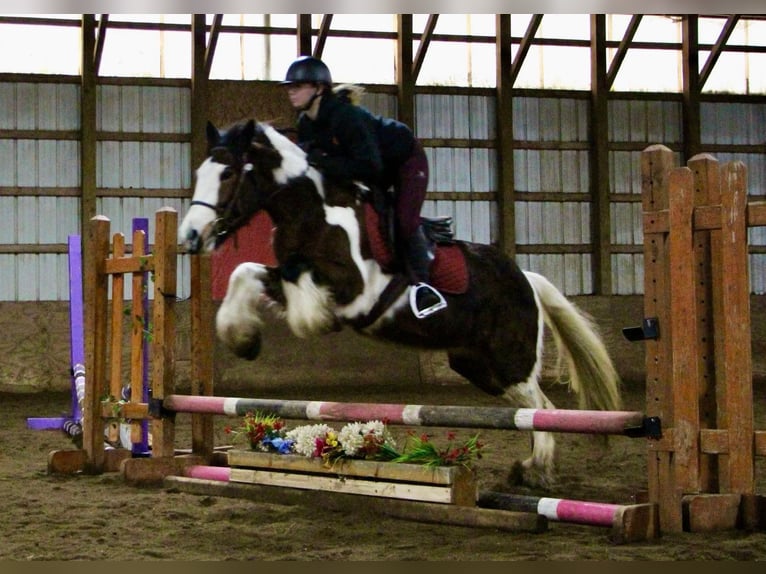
[[227, 173]]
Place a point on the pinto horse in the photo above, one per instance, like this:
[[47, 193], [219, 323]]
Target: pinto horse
[[329, 276]]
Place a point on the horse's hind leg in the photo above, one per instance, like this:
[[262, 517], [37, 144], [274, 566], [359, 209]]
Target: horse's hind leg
[[537, 470]]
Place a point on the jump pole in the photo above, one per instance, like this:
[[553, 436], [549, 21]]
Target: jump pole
[[629, 522], [626, 423]]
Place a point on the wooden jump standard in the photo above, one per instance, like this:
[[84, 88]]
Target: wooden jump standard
[[698, 347]]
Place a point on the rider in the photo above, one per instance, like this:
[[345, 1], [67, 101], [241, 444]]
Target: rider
[[347, 142]]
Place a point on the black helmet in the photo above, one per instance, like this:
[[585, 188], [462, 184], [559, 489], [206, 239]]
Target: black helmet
[[308, 69]]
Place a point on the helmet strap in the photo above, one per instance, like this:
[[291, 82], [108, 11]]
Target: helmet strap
[[307, 107]]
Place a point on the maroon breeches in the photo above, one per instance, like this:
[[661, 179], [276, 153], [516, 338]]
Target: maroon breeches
[[410, 191]]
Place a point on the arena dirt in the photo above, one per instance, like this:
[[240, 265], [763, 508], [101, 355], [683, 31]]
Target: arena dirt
[[100, 518]]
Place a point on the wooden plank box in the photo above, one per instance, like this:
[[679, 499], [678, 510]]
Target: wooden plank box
[[454, 485]]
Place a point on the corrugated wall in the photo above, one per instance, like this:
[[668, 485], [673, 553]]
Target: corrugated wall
[[49, 168], [143, 146], [32, 164], [554, 166], [460, 169], [146, 165]]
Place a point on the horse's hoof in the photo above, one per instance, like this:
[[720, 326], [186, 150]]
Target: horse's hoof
[[516, 474], [249, 351], [531, 477]]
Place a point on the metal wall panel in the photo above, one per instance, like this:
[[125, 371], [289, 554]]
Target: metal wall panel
[[732, 123], [31, 106], [550, 119], [651, 121], [570, 272], [380, 104]]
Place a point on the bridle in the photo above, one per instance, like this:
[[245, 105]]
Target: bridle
[[228, 217]]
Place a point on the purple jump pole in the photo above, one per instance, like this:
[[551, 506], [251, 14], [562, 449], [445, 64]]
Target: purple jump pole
[[71, 424], [142, 447], [558, 509], [627, 423]]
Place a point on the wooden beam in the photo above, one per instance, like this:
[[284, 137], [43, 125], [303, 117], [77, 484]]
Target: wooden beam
[[506, 194], [199, 91], [303, 31], [324, 30], [404, 79], [622, 50], [715, 53], [599, 160], [88, 163], [524, 45], [103, 23], [692, 144], [215, 31], [425, 40]]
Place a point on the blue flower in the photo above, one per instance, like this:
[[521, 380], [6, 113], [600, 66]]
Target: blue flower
[[281, 445]]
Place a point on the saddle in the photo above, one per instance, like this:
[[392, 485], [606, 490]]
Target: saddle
[[449, 271]]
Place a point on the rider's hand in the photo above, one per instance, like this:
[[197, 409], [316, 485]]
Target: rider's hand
[[316, 157]]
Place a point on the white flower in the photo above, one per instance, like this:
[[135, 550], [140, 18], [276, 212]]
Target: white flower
[[352, 436], [305, 437]]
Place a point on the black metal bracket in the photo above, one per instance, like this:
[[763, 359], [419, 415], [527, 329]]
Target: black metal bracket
[[649, 329], [158, 411], [651, 427]]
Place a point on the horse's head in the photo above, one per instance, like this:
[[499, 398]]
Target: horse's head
[[246, 164]]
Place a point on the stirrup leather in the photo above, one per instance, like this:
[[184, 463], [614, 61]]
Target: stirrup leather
[[421, 313]]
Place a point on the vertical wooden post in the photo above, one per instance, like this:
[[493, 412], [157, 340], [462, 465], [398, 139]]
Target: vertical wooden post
[[506, 190], [115, 342], [707, 251], [657, 161], [405, 80], [599, 158], [163, 327], [202, 371], [683, 333], [734, 329], [95, 292]]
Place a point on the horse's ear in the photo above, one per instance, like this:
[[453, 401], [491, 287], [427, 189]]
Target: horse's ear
[[212, 133], [248, 133]]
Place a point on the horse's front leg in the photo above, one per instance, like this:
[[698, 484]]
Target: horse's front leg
[[238, 322]]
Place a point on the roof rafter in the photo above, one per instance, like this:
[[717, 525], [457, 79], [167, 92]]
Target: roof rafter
[[622, 49], [98, 51], [715, 53], [215, 32], [526, 43], [324, 30], [425, 40]]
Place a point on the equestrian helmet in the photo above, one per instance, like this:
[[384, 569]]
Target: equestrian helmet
[[308, 69]]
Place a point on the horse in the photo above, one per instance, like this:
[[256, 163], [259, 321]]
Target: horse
[[332, 273]]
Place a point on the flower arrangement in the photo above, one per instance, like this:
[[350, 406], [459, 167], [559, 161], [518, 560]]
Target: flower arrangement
[[265, 433], [370, 440], [422, 451]]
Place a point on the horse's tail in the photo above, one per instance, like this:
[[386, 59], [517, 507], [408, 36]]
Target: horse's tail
[[591, 371]]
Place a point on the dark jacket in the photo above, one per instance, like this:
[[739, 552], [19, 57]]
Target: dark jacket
[[348, 142]]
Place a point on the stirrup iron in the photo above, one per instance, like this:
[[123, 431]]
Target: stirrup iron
[[421, 313]]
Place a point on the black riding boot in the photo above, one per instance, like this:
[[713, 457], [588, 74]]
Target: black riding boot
[[424, 299]]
